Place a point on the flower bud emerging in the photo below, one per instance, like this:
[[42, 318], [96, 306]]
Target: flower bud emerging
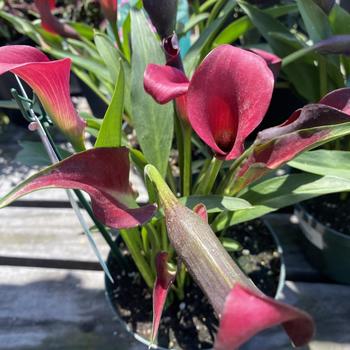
[[162, 14]]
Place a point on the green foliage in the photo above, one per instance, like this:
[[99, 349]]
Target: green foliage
[[153, 122]]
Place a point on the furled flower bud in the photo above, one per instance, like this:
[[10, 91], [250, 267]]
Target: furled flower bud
[[162, 14]]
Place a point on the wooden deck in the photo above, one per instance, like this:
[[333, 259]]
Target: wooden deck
[[52, 288]]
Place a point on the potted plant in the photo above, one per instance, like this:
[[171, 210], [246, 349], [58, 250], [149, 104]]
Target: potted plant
[[324, 223], [218, 107]]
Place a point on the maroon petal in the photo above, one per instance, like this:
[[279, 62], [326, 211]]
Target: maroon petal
[[109, 8], [50, 23], [305, 129], [201, 210], [164, 280], [274, 62], [339, 99], [50, 82], [246, 313], [228, 97], [172, 52], [164, 83], [101, 172]]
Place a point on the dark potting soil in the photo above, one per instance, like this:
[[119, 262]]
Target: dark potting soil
[[191, 323], [332, 211]]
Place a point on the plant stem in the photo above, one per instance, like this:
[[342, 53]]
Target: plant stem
[[227, 183], [215, 10], [206, 185], [138, 258], [165, 240], [323, 76], [180, 147], [187, 160]]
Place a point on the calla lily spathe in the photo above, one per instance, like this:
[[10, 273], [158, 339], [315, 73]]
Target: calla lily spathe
[[226, 99], [50, 82], [52, 24], [103, 173]]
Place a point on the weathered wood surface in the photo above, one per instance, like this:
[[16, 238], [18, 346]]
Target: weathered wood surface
[[45, 309], [46, 233]]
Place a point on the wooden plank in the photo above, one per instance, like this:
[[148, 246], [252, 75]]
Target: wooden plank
[[47, 234], [43, 309]]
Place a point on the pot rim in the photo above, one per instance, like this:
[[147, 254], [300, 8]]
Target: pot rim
[[301, 208], [278, 294]]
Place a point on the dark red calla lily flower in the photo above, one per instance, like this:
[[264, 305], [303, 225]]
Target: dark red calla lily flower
[[246, 313], [274, 62], [109, 9], [163, 282], [226, 98], [50, 23], [103, 173], [305, 129], [50, 81]]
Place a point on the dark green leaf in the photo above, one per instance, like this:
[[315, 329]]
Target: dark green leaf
[[153, 122], [33, 153], [316, 21], [324, 162], [241, 25], [303, 76], [280, 192], [216, 203], [109, 54], [110, 134], [195, 53]]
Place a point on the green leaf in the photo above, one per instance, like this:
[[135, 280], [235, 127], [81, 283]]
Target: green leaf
[[22, 25], [195, 53], [85, 77], [240, 26], [109, 54], [33, 153], [84, 30], [279, 192], [89, 64], [303, 76], [230, 244], [86, 48], [315, 20], [324, 162], [216, 203], [194, 20], [110, 134], [339, 20], [153, 122]]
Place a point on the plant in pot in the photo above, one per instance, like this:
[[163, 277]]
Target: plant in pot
[[324, 223], [218, 107]]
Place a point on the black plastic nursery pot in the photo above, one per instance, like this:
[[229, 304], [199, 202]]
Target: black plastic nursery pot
[[326, 249], [190, 314]]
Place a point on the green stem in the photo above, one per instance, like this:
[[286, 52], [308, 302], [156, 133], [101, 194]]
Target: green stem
[[215, 11], [135, 252], [180, 147], [323, 76], [187, 160], [206, 185], [170, 178], [227, 184], [167, 198], [165, 240]]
